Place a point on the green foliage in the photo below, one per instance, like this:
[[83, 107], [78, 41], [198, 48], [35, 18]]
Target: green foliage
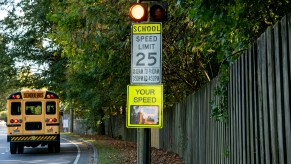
[[26, 29], [3, 115], [86, 47], [95, 40], [226, 151], [229, 27], [219, 104], [187, 63], [7, 73]]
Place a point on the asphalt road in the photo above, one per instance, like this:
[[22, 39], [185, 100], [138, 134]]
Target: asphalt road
[[73, 151]]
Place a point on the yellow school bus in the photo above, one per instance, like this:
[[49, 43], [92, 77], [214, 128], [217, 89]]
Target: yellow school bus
[[33, 119]]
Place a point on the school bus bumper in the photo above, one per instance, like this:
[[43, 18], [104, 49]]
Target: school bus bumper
[[32, 138]]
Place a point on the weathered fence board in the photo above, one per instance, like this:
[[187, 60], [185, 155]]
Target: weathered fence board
[[247, 110], [286, 83], [288, 114], [279, 90], [250, 95], [271, 94]]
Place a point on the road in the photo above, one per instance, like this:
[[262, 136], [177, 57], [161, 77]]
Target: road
[[73, 151]]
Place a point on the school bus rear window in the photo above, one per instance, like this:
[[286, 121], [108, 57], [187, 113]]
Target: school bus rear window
[[33, 108], [15, 108], [51, 108]]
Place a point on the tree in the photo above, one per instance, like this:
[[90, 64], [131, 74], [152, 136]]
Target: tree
[[7, 73], [26, 29], [94, 39], [230, 27], [85, 46]]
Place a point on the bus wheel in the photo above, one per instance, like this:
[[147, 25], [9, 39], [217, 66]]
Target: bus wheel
[[50, 147], [57, 147], [13, 147], [20, 148]]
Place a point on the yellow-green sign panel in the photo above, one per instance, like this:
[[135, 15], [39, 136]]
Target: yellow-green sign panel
[[144, 106], [146, 28]]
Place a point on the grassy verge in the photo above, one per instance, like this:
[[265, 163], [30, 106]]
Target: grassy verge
[[108, 151]]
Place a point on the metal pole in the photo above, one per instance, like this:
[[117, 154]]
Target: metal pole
[[147, 146], [143, 142], [140, 145], [143, 145]]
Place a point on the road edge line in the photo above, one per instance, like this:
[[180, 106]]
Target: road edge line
[[79, 151], [95, 151]]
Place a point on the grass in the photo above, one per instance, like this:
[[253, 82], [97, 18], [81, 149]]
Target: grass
[[108, 151]]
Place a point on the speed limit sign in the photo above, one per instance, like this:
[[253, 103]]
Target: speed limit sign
[[146, 53]]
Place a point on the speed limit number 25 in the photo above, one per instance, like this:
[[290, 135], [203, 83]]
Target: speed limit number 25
[[149, 59]]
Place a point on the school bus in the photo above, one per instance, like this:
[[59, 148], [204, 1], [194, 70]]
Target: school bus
[[33, 119]]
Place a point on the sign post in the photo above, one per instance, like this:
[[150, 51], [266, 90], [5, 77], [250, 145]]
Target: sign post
[[145, 94], [145, 111]]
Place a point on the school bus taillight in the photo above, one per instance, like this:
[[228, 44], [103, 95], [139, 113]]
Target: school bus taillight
[[16, 121], [51, 120]]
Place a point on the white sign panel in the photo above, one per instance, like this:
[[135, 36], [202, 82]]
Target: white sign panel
[[146, 53], [65, 124]]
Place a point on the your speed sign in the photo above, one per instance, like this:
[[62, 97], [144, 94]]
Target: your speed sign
[[146, 53]]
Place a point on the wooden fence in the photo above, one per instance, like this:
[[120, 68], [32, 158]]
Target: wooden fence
[[259, 103], [259, 127], [191, 133]]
